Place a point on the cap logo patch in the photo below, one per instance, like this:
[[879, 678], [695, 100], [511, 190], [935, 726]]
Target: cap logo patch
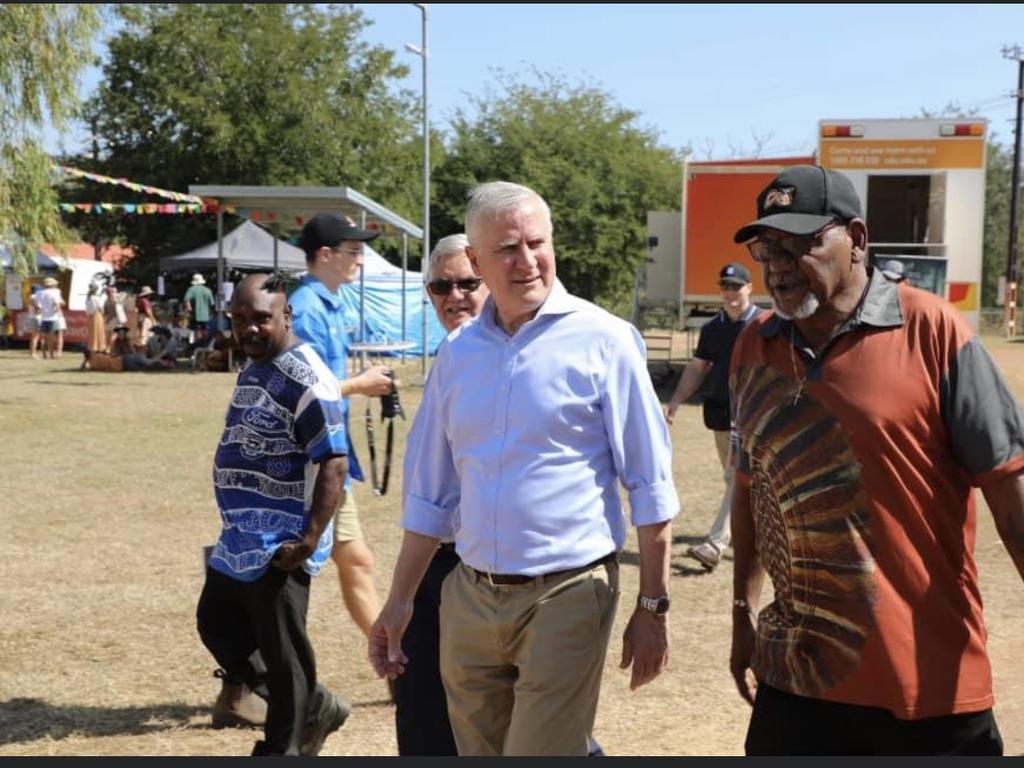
[[780, 197]]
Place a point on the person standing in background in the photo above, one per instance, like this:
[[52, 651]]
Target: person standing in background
[[198, 303], [714, 350], [48, 302], [146, 318]]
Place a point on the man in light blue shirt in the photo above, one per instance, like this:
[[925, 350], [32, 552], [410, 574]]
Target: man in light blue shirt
[[531, 414]]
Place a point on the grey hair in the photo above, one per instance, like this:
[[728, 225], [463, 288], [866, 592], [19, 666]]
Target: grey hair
[[447, 247], [496, 197]]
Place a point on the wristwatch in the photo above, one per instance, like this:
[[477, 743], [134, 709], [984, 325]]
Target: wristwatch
[[656, 605]]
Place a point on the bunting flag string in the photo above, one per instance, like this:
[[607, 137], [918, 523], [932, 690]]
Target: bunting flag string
[[265, 217], [132, 208], [165, 193]]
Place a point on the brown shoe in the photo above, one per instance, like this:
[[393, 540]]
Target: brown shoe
[[237, 706]]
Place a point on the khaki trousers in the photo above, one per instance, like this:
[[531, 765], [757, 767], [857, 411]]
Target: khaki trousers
[[720, 532], [522, 664]]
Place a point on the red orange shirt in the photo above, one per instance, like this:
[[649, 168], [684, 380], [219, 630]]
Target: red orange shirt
[[860, 464]]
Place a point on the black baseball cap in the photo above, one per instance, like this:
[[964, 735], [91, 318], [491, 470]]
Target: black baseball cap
[[329, 229], [801, 200], [734, 273]]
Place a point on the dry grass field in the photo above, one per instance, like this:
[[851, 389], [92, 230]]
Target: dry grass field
[[106, 502]]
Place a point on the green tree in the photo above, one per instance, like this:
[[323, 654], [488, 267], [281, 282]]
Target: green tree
[[250, 94], [599, 171], [43, 47], [998, 165]]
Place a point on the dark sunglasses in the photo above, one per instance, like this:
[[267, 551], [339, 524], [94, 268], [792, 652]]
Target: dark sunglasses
[[791, 246], [442, 287]]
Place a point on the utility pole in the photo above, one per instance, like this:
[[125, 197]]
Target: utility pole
[[423, 52], [1014, 53]]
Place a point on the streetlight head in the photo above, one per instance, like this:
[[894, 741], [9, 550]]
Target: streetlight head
[[413, 49]]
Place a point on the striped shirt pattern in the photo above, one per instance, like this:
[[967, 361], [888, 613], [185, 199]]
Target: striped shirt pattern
[[284, 418]]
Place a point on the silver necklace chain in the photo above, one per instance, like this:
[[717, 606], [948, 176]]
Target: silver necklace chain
[[800, 380]]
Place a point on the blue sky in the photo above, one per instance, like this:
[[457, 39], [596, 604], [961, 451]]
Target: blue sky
[[715, 77]]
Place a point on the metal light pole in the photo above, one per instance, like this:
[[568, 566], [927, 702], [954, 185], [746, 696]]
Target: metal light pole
[[1014, 53], [423, 52]]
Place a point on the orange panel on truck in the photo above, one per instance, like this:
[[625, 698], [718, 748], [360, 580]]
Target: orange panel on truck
[[720, 198], [717, 204]]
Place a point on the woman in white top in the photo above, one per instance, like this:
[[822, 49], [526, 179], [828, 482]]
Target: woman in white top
[[49, 301]]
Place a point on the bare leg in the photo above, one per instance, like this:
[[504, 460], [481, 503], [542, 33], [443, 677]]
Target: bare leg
[[60, 343], [355, 572]]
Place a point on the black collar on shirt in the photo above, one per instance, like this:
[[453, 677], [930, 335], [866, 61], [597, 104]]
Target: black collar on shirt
[[879, 307]]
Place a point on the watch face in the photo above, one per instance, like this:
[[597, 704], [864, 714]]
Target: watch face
[[656, 605]]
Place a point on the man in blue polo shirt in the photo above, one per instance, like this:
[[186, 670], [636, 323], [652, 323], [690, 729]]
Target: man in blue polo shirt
[[334, 255], [714, 349]]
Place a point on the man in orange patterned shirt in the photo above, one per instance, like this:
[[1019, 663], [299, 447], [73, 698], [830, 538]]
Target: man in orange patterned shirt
[[865, 413]]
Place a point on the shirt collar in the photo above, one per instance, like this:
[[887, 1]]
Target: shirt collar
[[879, 307], [334, 299], [748, 313], [558, 302]]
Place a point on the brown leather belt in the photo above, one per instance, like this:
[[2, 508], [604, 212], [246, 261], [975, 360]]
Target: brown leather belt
[[517, 579]]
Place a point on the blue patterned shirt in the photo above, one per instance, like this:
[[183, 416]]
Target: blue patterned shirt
[[284, 418]]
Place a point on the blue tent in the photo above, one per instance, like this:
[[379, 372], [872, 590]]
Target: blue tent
[[382, 296], [43, 262]]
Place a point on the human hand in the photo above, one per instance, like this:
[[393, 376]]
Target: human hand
[[645, 645], [385, 640], [292, 554], [376, 381], [669, 410], [743, 637]]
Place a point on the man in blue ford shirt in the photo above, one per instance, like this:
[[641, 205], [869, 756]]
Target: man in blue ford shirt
[[530, 415], [278, 474]]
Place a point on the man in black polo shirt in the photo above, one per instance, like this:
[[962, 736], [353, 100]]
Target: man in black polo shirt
[[714, 349]]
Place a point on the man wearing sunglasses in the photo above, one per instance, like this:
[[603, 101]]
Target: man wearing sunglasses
[[714, 350], [421, 707], [865, 412], [531, 417], [455, 290]]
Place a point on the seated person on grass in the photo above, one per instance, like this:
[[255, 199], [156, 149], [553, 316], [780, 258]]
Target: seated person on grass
[[122, 357]]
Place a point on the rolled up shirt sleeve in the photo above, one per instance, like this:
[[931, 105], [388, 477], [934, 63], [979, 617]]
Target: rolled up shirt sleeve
[[637, 433], [430, 491]]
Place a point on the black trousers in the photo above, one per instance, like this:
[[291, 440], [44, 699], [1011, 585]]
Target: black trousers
[[421, 707], [785, 724], [236, 618]]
